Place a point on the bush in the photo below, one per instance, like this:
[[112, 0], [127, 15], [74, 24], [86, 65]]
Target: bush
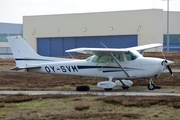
[[81, 106]]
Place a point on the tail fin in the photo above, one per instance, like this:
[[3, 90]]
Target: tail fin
[[21, 51], [20, 48]]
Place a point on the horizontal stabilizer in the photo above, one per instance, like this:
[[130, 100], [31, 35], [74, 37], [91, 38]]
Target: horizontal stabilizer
[[25, 67]]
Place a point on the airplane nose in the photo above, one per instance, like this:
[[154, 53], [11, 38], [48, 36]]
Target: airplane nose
[[169, 62]]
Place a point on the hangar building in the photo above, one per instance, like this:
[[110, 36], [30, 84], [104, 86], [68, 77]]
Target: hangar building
[[51, 35]]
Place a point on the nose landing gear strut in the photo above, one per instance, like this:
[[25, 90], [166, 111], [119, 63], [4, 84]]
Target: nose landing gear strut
[[152, 86]]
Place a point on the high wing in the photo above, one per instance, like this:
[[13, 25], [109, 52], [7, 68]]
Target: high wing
[[142, 48], [105, 51], [97, 51]]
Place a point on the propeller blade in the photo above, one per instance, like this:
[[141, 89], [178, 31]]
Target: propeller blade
[[167, 63], [169, 68]]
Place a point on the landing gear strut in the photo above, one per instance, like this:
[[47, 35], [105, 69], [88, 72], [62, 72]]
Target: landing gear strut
[[152, 86]]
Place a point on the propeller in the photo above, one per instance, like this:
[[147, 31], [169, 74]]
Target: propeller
[[167, 63], [169, 68]]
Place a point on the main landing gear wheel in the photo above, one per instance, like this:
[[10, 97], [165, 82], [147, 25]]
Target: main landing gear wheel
[[82, 88], [108, 89], [125, 87], [157, 87]]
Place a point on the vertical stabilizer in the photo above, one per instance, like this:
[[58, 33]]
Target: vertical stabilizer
[[21, 50]]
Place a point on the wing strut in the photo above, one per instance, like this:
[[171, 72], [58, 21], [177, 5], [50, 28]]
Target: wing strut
[[120, 65]]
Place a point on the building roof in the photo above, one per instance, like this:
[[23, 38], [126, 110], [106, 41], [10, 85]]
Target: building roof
[[10, 28]]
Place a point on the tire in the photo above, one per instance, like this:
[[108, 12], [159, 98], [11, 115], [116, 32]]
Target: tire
[[125, 87], [151, 87], [82, 88], [157, 87], [107, 89]]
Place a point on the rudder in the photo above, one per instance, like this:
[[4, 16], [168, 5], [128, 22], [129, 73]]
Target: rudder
[[21, 50]]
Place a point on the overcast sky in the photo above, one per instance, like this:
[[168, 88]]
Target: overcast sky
[[12, 11]]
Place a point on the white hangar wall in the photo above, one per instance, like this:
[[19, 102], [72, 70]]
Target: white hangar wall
[[174, 22], [148, 25]]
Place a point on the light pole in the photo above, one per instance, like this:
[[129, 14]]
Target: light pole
[[167, 25]]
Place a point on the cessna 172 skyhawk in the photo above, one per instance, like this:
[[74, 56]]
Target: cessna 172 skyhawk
[[124, 64]]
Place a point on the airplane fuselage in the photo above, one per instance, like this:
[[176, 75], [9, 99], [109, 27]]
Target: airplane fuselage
[[140, 68]]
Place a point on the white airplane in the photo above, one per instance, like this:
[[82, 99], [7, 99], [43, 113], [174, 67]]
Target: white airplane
[[124, 64]]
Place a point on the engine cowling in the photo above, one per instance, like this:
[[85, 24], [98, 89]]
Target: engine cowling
[[106, 84], [126, 83]]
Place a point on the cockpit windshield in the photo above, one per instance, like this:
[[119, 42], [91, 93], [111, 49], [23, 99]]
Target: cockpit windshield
[[132, 55]]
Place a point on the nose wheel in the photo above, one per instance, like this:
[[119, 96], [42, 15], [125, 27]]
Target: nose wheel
[[152, 86]]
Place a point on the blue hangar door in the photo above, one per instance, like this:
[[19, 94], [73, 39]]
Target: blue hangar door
[[57, 46], [119, 41], [49, 46]]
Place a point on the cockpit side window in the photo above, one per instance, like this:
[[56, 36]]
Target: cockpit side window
[[104, 59], [119, 57], [100, 59]]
